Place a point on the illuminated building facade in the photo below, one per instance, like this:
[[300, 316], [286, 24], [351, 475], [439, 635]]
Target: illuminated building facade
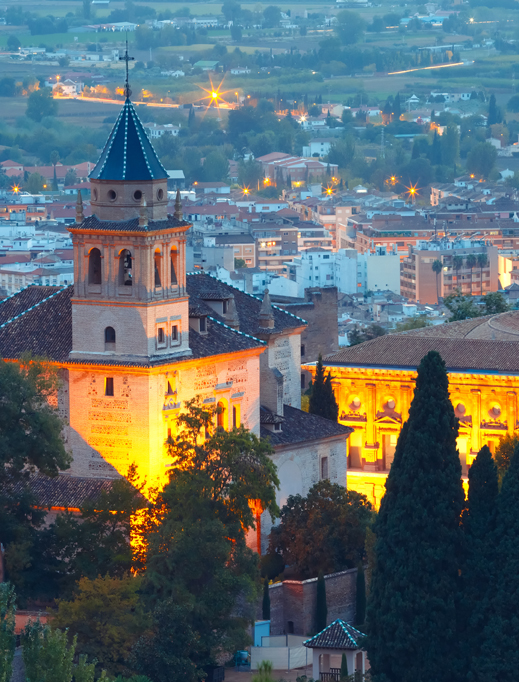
[[136, 337], [374, 384]]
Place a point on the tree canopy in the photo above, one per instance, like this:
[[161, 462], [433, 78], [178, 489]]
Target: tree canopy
[[324, 531], [201, 578], [322, 398], [414, 584]]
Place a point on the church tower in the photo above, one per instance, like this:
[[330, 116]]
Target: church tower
[[130, 300]]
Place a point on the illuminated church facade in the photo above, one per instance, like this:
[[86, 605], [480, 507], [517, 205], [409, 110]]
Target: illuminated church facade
[[136, 336], [374, 383]]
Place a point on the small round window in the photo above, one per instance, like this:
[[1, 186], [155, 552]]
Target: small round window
[[112, 195], [95, 195], [160, 194], [137, 195]]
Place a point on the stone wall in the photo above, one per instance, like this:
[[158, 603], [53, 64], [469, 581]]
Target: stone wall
[[292, 603]]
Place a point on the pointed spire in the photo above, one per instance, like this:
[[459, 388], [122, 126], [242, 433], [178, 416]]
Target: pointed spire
[[80, 216], [231, 316], [178, 207], [266, 314], [143, 212]]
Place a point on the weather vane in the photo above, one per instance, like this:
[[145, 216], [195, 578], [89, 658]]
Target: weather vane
[[127, 58]]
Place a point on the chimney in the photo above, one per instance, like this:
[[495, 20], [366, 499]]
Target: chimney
[[266, 314], [80, 216], [231, 316]]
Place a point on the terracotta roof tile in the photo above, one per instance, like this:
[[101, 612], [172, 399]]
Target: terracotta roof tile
[[132, 225], [298, 427], [202, 287], [63, 490], [405, 351]]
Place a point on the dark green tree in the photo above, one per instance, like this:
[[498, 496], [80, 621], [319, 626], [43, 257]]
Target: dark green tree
[[321, 608], [324, 531], [195, 546], [505, 451], [41, 104], [265, 607], [54, 159], [344, 668], [461, 307], [414, 586], [322, 398], [7, 625], [494, 112], [477, 563], [13, 43], [481, 159], [107, 617], [494, 303], [360, 597], [499, 657], [350, 27], [30, 440]]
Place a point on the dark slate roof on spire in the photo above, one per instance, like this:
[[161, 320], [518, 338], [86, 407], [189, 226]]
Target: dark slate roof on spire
[[128, 153]]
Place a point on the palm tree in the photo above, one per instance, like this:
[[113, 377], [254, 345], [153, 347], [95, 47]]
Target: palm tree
[[482, 263], [437, 267], [457, 264], [471, 262]]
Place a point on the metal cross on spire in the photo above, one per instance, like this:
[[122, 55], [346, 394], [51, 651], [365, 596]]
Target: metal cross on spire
[[127, 58]]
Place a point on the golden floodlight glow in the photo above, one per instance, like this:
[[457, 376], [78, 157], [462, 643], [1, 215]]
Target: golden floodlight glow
[[426, 68], [245, 190], [15, 189]]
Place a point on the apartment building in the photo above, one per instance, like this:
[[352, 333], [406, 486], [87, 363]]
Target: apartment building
[[468, 265]]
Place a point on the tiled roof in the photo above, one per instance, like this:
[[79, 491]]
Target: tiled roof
[[132, 225], [406, 351], [299, 426], [128, 153], [338, 635], [64, 491], [204, 287], [38, 320]]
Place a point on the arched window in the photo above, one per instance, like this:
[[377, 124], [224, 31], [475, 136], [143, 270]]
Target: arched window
[[157, 258], [94, 267], [125, 268], [220, 416], [174, 265], [109, 338], [235, 416]]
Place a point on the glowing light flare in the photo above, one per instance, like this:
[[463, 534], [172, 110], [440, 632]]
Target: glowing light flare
[[426, 68], [15, 189], [245, 190], [329, 191], [412, 191], [214, 94]]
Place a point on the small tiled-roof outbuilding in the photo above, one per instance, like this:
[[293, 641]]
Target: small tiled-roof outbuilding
[[330, 644]]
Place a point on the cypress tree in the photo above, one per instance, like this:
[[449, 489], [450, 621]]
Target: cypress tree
[[499, 660], [344, 667], [322, 399], [266, 600], [476, 569], [411, 612], [360, 597], [321, 609]]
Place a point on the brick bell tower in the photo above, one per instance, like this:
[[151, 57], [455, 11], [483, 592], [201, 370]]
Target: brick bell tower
[[130, 302]]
